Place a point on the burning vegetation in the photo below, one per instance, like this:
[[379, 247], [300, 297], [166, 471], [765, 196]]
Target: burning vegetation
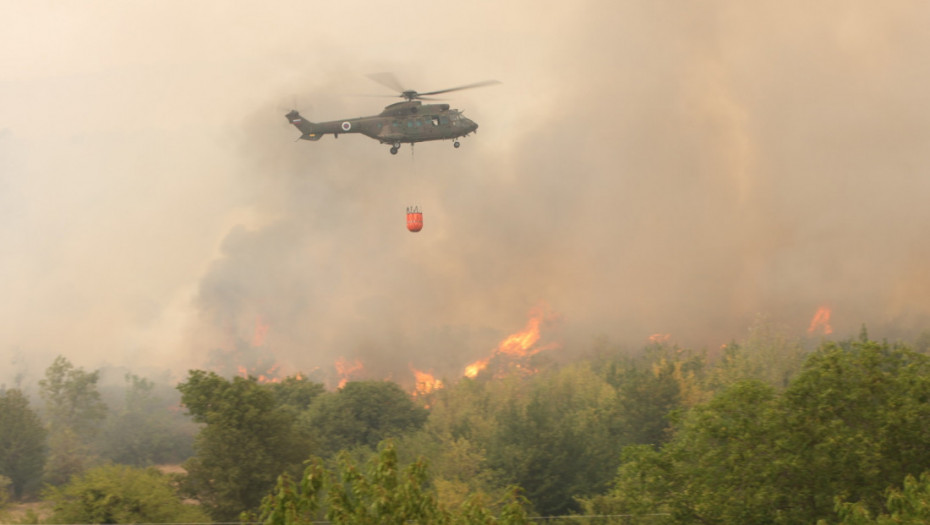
[[348, 370], [512, 355], [821, 322]]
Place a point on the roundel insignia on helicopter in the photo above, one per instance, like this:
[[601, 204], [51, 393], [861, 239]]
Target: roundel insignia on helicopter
[[346, 126]]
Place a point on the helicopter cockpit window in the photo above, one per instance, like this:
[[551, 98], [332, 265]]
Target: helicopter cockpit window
[[443, 120], [435, 121]]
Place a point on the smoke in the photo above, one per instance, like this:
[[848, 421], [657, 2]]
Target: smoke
[[645, 167]]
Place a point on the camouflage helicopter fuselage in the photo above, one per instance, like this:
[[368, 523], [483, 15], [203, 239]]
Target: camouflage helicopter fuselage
[[404, 122]]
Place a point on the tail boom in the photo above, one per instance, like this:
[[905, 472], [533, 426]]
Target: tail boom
[[316, 130], [308, 130]]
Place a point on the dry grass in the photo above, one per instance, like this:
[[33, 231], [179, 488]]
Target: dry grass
[[171, 469], [17, 512]]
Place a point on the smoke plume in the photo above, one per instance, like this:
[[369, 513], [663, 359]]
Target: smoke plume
[[644, 167]]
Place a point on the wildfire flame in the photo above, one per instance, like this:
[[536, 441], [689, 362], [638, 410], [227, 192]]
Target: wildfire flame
[[346, 368], [256, 363], [425, 382], [269, 376], [473, 369], [660, 338], [520, 344], [821, 321]]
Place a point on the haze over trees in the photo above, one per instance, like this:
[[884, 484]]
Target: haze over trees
[[145, 425], [23, 449], [73, 411], [72, 429], [764, 431]]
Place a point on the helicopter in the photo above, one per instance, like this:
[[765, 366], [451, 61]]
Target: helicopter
[[409, 122]]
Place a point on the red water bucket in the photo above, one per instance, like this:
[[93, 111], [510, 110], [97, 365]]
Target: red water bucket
[[414, 219]]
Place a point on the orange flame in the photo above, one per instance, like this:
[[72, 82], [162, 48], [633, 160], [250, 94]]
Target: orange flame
[[346, 368], [425, 382], [821, 321], [520, 344], [268, 376], [660, 338], [472, 370]]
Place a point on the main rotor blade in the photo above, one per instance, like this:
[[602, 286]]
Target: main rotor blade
[[467, 86], [387, 80], [371, 95]]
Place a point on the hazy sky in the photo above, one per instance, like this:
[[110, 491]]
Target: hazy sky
[[644, 167]]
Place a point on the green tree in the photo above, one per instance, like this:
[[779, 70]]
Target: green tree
[[460, 430], [459, 468], [641, 490], [295, 393], [910, 505], [121, 494], [71, 398], [558, 434], [5, 484], [246, 441], [384, 493], [717, 469], [74, 412], [559, 445], [362, 413], [647, 395], [768, 354], [143, 431], [23, 447], [849, 424], [858, 416]]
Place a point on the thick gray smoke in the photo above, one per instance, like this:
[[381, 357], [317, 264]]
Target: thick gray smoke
[[645, 167]]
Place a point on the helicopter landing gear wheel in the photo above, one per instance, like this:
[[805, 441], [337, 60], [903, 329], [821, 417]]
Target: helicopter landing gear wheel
[[394, 150], [456, 144]]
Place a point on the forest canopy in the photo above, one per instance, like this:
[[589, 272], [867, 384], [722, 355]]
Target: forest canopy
[[764, 431]]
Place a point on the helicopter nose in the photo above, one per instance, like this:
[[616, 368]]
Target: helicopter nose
[[472, 126]]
